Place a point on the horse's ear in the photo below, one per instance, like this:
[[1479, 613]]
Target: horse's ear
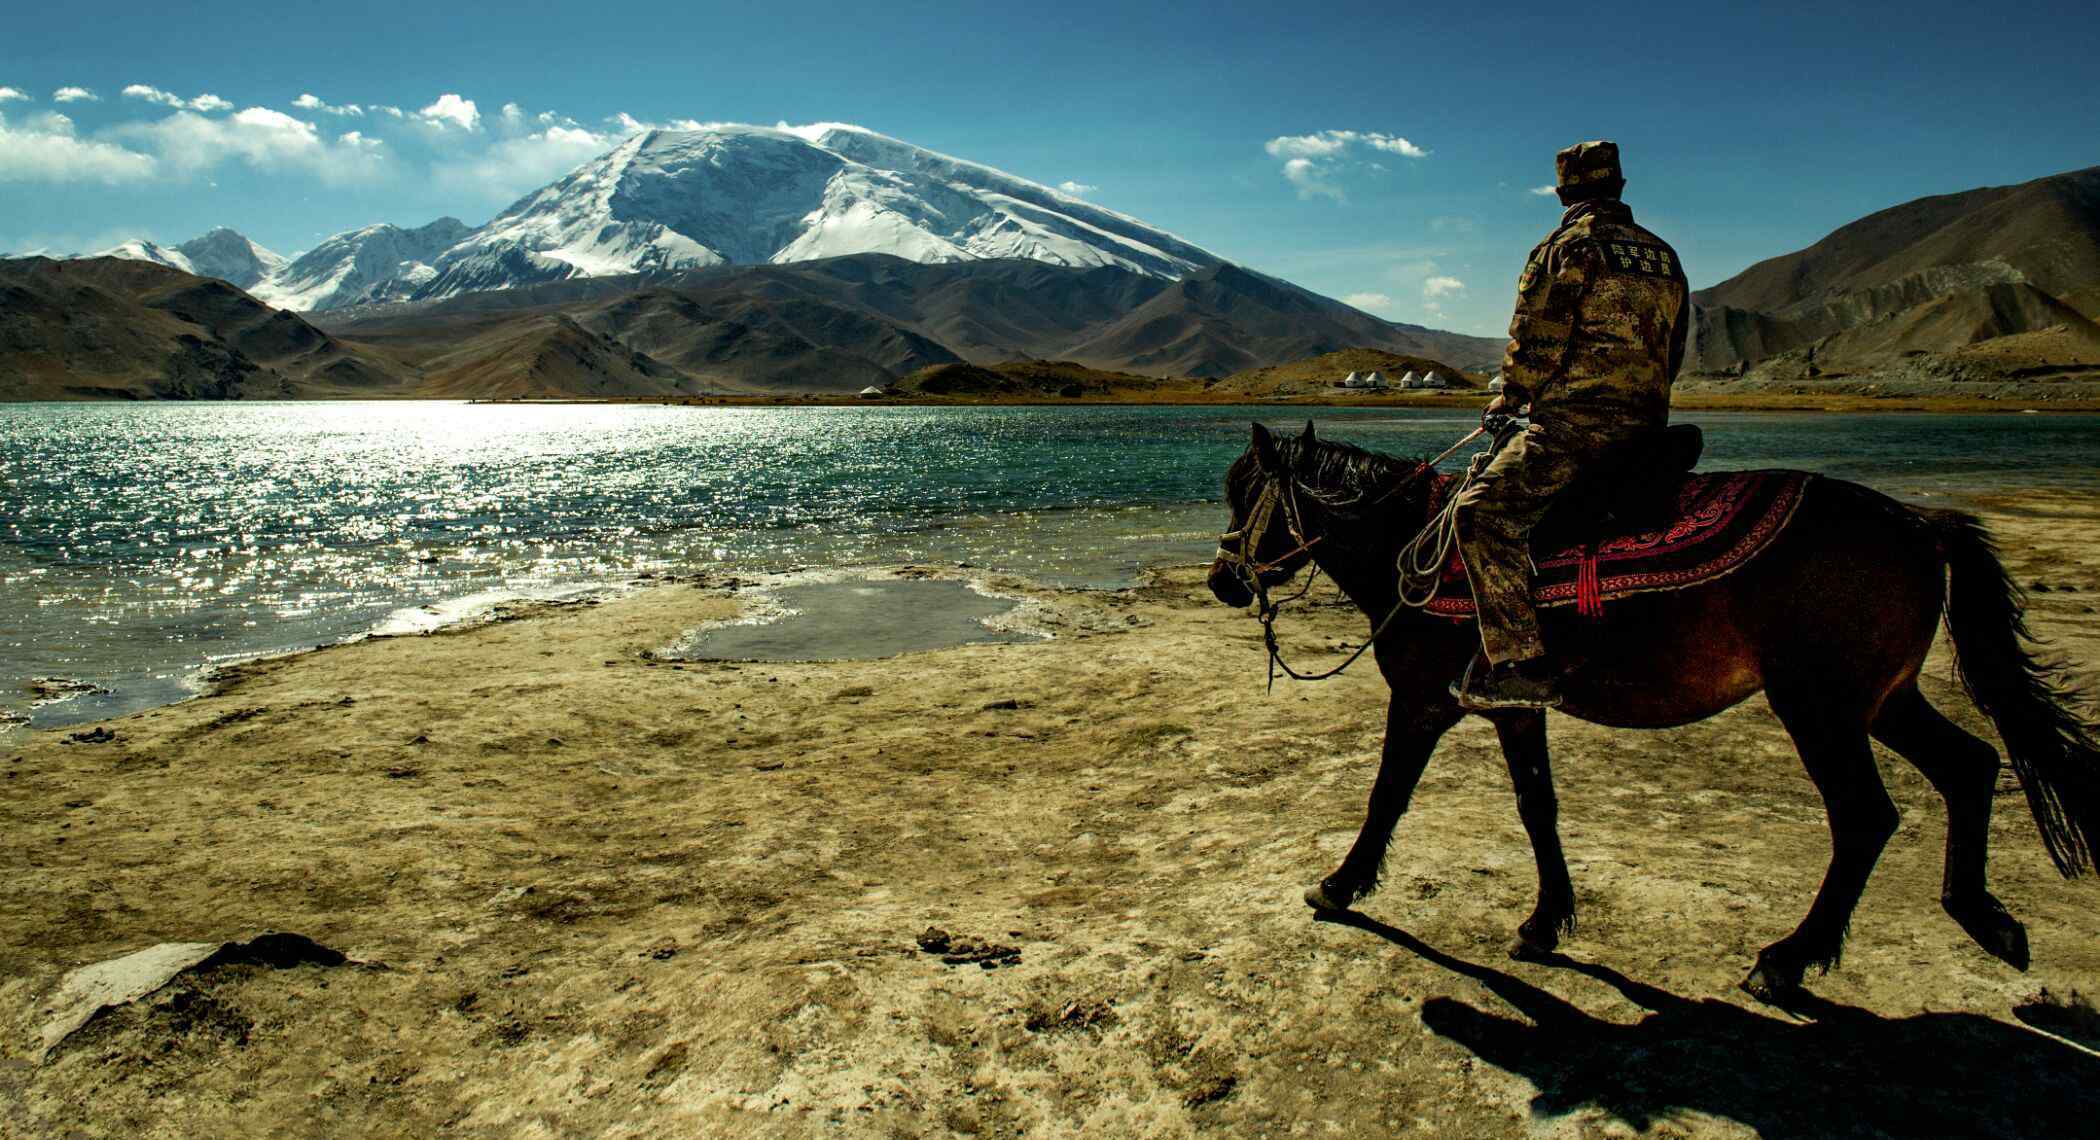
[[1265, 449]]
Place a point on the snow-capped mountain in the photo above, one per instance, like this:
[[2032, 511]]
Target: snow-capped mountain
[[376, 263], [228, 256], [746, 195], [222, 253], [723, 194], [139, 249]]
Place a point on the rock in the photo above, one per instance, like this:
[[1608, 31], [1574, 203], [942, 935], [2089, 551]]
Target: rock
[[50, 690], [967, 951], [88, 991], [91, 736], [1008, 703]]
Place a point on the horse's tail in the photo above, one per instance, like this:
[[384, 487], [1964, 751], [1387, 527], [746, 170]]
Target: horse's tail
[[2053, 749]]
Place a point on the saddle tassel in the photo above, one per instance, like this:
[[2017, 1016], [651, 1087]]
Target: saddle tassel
[[1589, 591]]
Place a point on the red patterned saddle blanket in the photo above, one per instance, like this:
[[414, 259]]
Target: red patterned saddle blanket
[[1723, 520]]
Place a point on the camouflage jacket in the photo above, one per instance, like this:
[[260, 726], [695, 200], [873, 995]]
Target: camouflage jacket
[[1599, 330]]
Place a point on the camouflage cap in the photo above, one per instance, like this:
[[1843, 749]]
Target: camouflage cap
[[1586, 163]]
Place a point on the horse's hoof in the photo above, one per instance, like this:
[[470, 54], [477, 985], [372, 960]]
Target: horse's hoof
[[1525, 950], [1319, 899], [1994, 928], [1774, 986]]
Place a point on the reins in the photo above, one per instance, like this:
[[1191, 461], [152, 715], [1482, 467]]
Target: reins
[[1420, 563]]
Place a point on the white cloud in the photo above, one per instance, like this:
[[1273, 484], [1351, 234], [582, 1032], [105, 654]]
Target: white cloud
[[206, 102], [9, 94], [75, 95], [1311, 160], [1443, 287], [513, 115], [383, 109], [265, 139], [453, 110], [1369, 302], [310, 102], [1544, 191], [628, 124], [43, 149], [1076, 189], [1310, 179]]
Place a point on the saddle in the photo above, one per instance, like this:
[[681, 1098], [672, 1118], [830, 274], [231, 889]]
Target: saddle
[[1642, 522], [1633, 488]]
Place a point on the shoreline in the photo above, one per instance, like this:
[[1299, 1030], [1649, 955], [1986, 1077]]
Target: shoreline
[[603, 892], [1471, 400]]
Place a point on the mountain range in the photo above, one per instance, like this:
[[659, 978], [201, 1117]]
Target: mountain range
[[1998, 282], [727, 194], [729, 259]]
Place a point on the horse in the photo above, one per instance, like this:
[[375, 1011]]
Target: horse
[[1832, 622]]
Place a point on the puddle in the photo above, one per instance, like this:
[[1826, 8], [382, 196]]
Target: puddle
[[857, 620]]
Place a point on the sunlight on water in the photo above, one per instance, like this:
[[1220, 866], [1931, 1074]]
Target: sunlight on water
[[141, 541]]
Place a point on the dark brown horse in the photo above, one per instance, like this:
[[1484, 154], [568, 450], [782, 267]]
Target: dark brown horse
[[1832, 621]]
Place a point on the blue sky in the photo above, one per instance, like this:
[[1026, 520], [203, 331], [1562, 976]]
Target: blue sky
[[1748, 130]]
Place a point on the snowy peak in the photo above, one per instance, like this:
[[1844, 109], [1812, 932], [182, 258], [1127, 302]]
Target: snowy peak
[[723, 194], [222, 253], [139, 249], [227, 255], [744, 195], [377, 263]]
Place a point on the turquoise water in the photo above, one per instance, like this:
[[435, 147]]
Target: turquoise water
[[141, 542]]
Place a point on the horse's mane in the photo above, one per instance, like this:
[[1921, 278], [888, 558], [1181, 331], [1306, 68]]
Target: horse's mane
[[1343, 471]]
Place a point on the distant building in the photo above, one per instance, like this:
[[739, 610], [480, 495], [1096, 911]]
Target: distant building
[[871, 392], [1495, 385], [1434, 380], [1362, 380]]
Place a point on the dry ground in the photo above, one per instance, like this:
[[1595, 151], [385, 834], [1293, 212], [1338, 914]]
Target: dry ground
[[608, 895]]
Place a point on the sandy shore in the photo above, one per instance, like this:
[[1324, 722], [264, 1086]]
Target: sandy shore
[[605, 894]]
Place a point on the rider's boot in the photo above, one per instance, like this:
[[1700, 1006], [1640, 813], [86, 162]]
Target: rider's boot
[[1532, 684]]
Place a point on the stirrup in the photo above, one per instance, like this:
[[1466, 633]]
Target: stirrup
[[1510, 691]]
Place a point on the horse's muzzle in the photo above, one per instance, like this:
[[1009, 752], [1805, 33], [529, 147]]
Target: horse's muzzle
[[1229, 585]]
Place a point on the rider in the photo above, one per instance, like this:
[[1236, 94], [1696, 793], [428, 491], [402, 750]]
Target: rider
[[1597, 338]]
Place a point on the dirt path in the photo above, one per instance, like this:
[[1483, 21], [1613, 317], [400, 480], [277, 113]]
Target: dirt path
[[615, 896]]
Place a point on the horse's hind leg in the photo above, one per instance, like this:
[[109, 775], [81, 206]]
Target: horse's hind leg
[[1523, 738], [1832, 738], [1965, 770]]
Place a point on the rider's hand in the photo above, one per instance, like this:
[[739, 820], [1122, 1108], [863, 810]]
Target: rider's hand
[[1497, 406]]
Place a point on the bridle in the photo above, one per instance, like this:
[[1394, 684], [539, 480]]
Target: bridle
[[1280, 490]]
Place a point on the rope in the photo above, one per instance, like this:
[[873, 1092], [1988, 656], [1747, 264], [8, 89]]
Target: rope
[[1420, 563]]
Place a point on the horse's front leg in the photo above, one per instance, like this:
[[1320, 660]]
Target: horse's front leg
[[1531, 774], [1411, 733]]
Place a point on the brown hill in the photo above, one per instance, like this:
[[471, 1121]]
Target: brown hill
[[549, 357], [1319, 374], [1959, 321], [1034, 380], [110, 327], [119, 328], [1879, 288], [757, 322]]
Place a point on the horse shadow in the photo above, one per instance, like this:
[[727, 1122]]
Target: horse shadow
[[1837, 1071]]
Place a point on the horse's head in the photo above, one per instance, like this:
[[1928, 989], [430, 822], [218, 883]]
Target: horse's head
[[1260, 490]]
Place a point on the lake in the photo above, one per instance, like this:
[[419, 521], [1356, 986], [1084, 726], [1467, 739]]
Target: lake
[[141, 543]]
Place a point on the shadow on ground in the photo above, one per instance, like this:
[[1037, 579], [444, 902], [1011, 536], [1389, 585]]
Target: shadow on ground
[[1836, 1070]]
